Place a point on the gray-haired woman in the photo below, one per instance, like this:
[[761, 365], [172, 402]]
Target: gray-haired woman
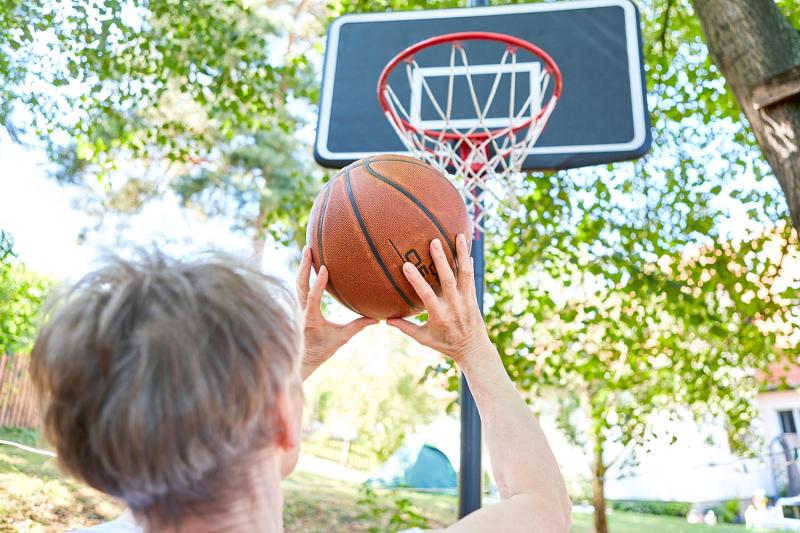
[[176, 386]]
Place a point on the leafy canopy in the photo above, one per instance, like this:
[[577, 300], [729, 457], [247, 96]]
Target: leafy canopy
[[187, 98], [22, 294]]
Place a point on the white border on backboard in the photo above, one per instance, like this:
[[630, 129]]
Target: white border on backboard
[[532, 68], [634, 69]]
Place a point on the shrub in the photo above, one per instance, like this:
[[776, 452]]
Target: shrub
[[727, 512], [22, 293], [389, 512], [580, 490], [651, 507]]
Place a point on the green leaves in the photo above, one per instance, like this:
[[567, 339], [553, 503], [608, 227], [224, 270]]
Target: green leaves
[[382, 411], [631, 327], [789, 8], [393, 513], [22, 294], [154, 92]]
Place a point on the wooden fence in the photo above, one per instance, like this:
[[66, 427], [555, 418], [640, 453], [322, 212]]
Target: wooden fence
[[349, 453], [17, 400], [18, 408]]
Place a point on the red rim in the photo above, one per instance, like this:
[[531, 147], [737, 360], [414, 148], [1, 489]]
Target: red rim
[[510, 40]]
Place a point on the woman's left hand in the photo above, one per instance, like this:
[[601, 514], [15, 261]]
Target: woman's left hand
[[322, 337]]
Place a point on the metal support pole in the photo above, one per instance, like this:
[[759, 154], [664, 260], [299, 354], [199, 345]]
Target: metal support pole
[[470, 472]]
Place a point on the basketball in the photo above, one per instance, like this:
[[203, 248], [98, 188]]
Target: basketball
[[371, 218]]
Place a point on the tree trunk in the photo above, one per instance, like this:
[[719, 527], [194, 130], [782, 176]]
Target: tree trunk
[[259, 236], [751, 41], [598, 486]]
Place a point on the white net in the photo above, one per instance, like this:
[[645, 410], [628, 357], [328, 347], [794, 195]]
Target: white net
[[481, 151]]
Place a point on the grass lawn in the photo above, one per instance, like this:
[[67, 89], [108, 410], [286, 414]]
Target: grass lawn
[[619, 522], [317, 504], [35, 496]]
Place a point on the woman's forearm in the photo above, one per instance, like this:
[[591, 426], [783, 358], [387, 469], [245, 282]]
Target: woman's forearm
[[522, 461]]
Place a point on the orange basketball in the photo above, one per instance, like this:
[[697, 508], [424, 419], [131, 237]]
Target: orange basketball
[[372, 217]]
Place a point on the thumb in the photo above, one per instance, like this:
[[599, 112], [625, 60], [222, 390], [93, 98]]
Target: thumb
[[412, 330], [351, 328]]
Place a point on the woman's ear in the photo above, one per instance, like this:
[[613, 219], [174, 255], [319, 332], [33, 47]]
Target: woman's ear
[[287, 418]]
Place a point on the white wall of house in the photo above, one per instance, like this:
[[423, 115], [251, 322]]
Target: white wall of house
[[779, 417], [771, 404], [697, 467]]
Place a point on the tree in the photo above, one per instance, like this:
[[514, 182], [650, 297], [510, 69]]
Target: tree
[[682, 336], [626, 287], [22, 294], [186, 97], [379, 411], [757, 46], [266, 184]]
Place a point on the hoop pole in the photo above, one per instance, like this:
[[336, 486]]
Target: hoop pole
[[470, 473]]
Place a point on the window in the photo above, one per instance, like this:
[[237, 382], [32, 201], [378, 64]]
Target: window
[[787, 421]]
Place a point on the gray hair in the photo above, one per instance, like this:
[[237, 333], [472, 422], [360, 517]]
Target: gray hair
[[156, 374]]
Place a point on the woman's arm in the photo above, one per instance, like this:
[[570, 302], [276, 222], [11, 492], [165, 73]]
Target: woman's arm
[[534, 495]]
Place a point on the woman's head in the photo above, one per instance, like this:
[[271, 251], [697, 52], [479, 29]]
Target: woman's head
[[159, 377]]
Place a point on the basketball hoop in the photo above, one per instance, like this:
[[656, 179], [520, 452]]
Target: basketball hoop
[[481, 149]]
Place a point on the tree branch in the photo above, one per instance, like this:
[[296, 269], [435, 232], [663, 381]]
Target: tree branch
[[664, 25]]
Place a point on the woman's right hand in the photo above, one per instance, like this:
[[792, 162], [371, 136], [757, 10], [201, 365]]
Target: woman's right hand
[[455, 326], [321, 337]]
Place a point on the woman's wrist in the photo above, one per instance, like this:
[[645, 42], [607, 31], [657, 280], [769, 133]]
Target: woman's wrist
[[478, 356], [311, 362]]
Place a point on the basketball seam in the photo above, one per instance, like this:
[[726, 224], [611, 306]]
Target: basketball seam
[[416, 202], [320, 226], [371, 244], [378, 159]]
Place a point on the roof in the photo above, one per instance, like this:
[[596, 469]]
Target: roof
[[780, 374]]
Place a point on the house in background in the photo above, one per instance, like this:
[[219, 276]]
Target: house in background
[[698, 466], [779, 410], [691, 463]]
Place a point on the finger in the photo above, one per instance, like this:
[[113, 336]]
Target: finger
[[302, 276], [421, 287], [466, 270], [412, 330], [315, 295], [351, 328], [446, 278]]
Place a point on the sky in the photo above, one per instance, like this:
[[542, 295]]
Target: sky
[[45, 225]]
